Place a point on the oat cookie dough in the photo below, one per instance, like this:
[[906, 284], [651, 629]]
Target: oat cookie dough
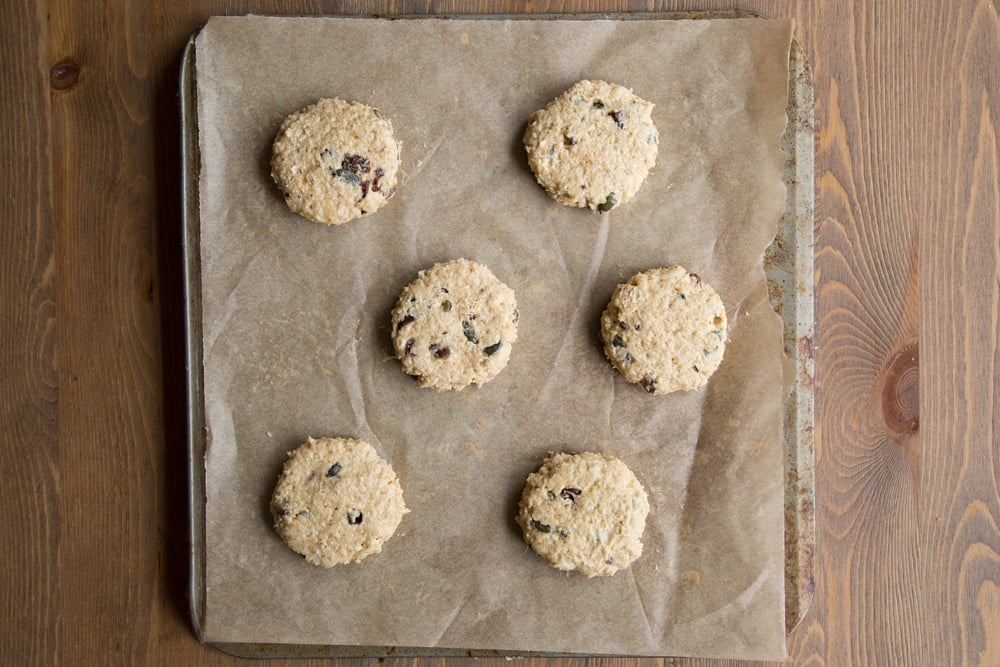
[[592, 146], [665, 329], [336, 501], [335, 161], [584, 512], [454, 325]]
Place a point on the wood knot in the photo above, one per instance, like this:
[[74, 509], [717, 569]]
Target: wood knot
[[901, 391], [64, 75]]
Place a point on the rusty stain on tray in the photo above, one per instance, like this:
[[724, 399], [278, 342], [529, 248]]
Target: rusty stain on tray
[[788, 263]]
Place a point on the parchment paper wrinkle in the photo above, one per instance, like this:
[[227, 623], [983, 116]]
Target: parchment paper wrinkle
[[296, 338]]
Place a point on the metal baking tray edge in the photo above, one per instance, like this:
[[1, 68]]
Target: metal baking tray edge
[[788, 264]]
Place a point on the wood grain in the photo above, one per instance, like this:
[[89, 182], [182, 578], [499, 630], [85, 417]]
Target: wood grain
[[868, 462], [29, 387], [109, 353], [960, 337], [908, 307]]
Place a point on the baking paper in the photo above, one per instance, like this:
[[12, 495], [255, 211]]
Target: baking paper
[[297, 340]]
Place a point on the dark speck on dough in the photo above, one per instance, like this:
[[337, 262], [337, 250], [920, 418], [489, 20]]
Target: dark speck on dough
[[570, 493], [346, 175], [541, 527], [356, 164], [608, 203], [377, 181], [470, 333]]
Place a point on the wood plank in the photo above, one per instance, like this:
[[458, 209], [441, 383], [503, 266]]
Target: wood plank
[[110, 418], [29, 382], [868, 463], [960, 334]]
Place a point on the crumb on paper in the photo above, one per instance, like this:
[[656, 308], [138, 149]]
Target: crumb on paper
[[471, 447], [464, 39]]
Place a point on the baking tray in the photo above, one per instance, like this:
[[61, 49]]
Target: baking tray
[[788, 265]]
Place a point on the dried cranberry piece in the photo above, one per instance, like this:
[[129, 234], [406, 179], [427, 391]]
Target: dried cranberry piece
[[356, 163], [570, 493]]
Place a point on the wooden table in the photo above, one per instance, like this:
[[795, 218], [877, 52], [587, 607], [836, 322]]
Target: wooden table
[[93, 544]]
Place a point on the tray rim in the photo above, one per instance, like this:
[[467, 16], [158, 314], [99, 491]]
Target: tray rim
[[797, 225]]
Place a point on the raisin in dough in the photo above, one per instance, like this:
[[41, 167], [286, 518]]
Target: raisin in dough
[[454, 325], [584, 512], [335, 161], [592, 146], [665, 329], [336, 501]]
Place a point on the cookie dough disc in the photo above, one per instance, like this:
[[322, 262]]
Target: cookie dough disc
[[335, 161], [665, 329], [336, 501], [584, 512], [454, 325], [593, 145]]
